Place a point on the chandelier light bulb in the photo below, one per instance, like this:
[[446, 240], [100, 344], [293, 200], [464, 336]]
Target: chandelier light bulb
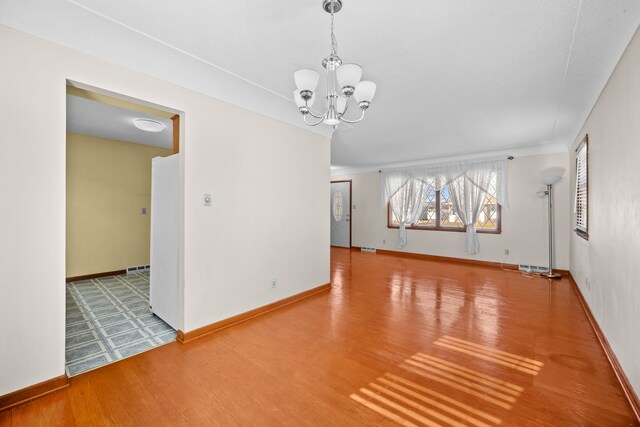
[[364, 91], [349, 76], [306, 79]]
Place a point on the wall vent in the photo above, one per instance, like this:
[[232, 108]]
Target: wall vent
[[532, 268], [137, 268], [367, 249]]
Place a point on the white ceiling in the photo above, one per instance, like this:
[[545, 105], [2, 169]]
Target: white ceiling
[[95, 118], [455, 78]]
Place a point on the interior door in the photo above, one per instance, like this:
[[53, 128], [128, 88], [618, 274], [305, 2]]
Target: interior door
[[341, 214], [164, 293]]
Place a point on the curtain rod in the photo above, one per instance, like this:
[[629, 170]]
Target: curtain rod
[[508, 158]]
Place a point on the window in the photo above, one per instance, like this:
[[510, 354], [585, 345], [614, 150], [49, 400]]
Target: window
[[438, 213], [582, 190]]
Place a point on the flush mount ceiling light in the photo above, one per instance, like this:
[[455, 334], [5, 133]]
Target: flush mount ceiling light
[[346, 76], [149, 125]]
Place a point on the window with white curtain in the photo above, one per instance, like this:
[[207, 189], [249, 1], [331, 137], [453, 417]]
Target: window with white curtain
[[582, 189], [438, 213]]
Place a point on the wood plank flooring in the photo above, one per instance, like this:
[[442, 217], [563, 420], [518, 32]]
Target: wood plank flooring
[[396, 341]]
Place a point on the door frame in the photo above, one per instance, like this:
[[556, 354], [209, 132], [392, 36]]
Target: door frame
[[350, 215], [177, 138], [176, 133]]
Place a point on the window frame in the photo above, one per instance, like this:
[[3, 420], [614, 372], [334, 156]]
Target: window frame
[[438, 227], [584, 143]]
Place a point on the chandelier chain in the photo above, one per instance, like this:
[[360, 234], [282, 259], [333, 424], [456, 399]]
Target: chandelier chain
[[334, 42]]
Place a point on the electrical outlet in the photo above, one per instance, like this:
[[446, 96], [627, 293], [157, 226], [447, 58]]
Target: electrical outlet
[[506, 251], [144, 211], [588, 282], [384, 241], [274, 284]]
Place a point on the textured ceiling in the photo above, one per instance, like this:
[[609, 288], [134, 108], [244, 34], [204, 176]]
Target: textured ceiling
[[107, 121], [454, 78]]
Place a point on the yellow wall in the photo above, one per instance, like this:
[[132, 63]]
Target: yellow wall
[[108, 184]]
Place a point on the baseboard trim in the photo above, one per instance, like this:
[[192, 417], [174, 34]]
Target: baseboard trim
[[185, 337], [95, 275], [627, 388], [439, 258], [24, 395]]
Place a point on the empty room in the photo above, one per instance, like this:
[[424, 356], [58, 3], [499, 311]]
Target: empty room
[[320, 212]]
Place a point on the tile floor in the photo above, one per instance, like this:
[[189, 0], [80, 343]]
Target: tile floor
[[109, 319]]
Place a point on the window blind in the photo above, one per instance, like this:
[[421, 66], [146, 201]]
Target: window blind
[[581, 206]]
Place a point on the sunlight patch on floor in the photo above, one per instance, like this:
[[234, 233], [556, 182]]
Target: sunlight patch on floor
[[410, 404], [522, 364]]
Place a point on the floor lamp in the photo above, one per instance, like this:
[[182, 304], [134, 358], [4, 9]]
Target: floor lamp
[[549, 181]]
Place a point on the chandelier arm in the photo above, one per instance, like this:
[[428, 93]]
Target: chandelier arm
[[312, 124], [346, 107], [313, 115], [352, 121], [306, 104]]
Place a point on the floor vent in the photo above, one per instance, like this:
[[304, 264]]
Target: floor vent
[[532, 268], [367, 249], [137, 268]]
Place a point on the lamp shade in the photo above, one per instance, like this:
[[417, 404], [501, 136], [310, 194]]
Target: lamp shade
[[365, 91], [550, 180], [349, 75], [306, 79], [300, 101], [341, 104]]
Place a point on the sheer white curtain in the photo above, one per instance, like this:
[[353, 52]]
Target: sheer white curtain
[[476, 171], [406, 189], [467, 197], [480, 173], [407, 205], [392, 181]]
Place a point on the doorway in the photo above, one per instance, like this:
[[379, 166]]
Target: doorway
[[112, 142], [341, 214]]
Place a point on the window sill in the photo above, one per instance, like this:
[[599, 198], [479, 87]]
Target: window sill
[[582, 234], [454, 230]]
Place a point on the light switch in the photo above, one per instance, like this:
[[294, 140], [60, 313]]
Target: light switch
[[207, 200], [144, 211]]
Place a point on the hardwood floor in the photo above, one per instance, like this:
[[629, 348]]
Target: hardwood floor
[[396, 341]]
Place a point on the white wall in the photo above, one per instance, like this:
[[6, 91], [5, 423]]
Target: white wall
[[270, 188], [263, 176], [609, 259], [524, 222]]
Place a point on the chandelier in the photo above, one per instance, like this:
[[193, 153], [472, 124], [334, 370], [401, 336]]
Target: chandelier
[[343, 76]]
